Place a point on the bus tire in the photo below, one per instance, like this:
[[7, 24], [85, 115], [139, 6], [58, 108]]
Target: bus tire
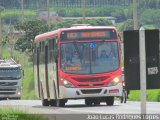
[[88, 102], [45, 102], [53, 102], [96, 102], [110, 101], [60, 103]]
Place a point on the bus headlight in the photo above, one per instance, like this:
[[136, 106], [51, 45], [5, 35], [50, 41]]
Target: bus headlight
[[114, 82], [68, 84], [18, 93]]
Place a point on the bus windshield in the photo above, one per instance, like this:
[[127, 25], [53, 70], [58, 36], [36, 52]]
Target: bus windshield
[[89, 57], [10, 73]]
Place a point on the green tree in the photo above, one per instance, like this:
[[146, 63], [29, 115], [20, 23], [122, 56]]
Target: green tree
[[99, 22], [151, 16], [94, 22], [127, 25], [31, 29], [35, 27]]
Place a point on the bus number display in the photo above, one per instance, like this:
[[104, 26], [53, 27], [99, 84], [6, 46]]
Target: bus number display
[[74, 35], [71, 35]]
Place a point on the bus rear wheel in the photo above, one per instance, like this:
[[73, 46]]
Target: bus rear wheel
[[60, 102], [110, 101], [45, 102], [53, 102]]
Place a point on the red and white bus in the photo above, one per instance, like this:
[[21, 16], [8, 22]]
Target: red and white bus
[[80, 62]]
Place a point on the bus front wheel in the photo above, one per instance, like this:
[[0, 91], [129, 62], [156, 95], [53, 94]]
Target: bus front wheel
[[110, 101], [88, 102], [96, 102]]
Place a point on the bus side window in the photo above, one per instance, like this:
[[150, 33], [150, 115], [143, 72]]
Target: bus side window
[[43, 46], [55, 50], [51, 44], [34, 53], [40, 48]]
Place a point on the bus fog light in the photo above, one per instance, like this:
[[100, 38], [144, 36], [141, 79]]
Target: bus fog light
[[114, 91]]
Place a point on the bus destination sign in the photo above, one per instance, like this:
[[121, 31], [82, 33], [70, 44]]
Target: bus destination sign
[[90, 34]]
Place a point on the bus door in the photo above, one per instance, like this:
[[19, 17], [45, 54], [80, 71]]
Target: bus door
[[38, 79], [46, 71]]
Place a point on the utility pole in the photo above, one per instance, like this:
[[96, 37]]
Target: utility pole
[[84, 10], [135, 15], [22, 20], [48, 14], [22, 11], [0, 34], [1, 9], [11, 38], [142, 50], [0, 27]]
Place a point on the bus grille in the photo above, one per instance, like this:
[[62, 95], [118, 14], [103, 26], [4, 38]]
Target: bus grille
[[93, 85], [91, 91], [92, 79]]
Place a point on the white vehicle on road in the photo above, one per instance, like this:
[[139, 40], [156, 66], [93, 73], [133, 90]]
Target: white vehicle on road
[[10, 79]]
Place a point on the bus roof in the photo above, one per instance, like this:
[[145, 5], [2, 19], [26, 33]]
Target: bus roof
[[43, 36], [55, 33]]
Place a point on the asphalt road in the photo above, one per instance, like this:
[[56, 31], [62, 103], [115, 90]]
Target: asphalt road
[[74, 107]]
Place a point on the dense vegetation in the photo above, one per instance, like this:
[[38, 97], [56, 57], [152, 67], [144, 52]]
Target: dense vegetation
[[34, 4], [16, 114], [121, 9]]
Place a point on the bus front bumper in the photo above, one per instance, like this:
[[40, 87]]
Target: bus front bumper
[[73, 93]]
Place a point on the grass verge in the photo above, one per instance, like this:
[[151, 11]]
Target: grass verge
[[151, 95], [28, 91], [14, 114]]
